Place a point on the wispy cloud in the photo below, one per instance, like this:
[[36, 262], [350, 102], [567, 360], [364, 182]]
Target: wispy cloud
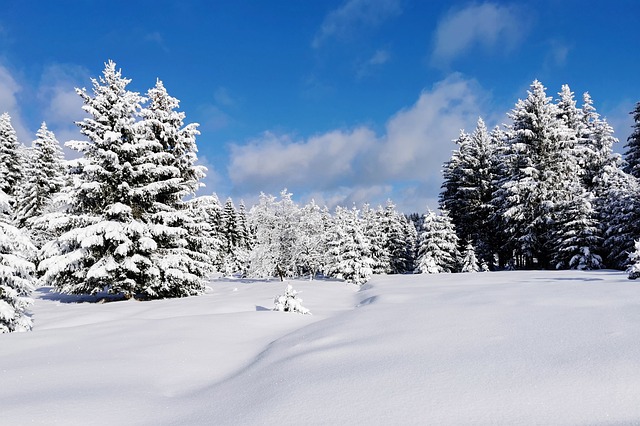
[[488, 25], [354, 15], [341, 164], [380, 57], [9, 90], [155, 37], [61, 107]]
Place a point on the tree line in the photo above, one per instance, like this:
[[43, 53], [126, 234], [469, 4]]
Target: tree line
[[545, 191]]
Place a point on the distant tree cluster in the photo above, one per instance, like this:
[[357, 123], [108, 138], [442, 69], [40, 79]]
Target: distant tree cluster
[[544, 191]]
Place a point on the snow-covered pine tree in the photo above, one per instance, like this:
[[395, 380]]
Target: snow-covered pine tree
[[16, 272], [276, 233], [10, 157], [122, 232], [166, 173], [411, 244], [577, 234], [349, 248], [537, 164], [372, 228], [595, 141], [469, 262], [632, 154], [204, 212], [438, 247], [620, 216], [311, 242], [392, 226], [232, 257], [45, 178], [468, 187]]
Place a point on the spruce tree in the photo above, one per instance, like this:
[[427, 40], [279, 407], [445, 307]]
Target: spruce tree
[[311, 246], [16, 272], [632, 154], [349, 248], [468, 188], [438, 248], [45, 178], [531, 188], [469, 262], [10, 157], [124, 231]]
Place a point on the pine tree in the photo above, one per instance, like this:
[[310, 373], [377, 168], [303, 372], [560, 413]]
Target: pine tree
[[125, 231], [10, 157], [620, 216], [438, 248], [531, 190], [311, 246], [391, 225], [372, 228], [469, 260], [632, 154], [349, 248], [45, 178], [16, 272], [468, 188], [232, 259], [276, 233]]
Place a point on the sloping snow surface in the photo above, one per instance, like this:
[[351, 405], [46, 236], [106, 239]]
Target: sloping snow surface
[[488, 348]]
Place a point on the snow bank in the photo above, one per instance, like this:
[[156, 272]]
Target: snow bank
[[505, 348]]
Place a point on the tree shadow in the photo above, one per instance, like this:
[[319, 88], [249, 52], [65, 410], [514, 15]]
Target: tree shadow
[[261, 308], [48, 293]]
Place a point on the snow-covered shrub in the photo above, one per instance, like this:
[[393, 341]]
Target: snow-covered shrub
[[634, 258], [289, 302]]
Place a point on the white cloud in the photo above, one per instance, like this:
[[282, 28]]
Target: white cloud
[[341, 166], [61, 105], [418, 139], [9, 90], [488, 25], [277, 161], [355, 15]]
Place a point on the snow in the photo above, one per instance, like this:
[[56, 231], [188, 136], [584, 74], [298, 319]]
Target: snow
[[544, 347]]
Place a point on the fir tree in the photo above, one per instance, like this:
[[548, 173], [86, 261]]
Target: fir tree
[[16, 273], [391, 225], [632, 154], [468, 188], [469, 261], [124, 231], [438, 248], [311, 242], [531, 189], [349, 248], [45, 178], [10, 157]]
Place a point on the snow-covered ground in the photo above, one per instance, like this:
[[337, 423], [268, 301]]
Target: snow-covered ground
[[489, 348]]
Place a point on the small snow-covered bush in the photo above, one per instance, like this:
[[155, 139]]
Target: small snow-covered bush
[[289, 302]]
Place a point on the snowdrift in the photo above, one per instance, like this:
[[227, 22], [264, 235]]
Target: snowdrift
[[489, 348]]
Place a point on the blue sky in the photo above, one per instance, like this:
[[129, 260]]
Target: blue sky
[[343, 101]]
